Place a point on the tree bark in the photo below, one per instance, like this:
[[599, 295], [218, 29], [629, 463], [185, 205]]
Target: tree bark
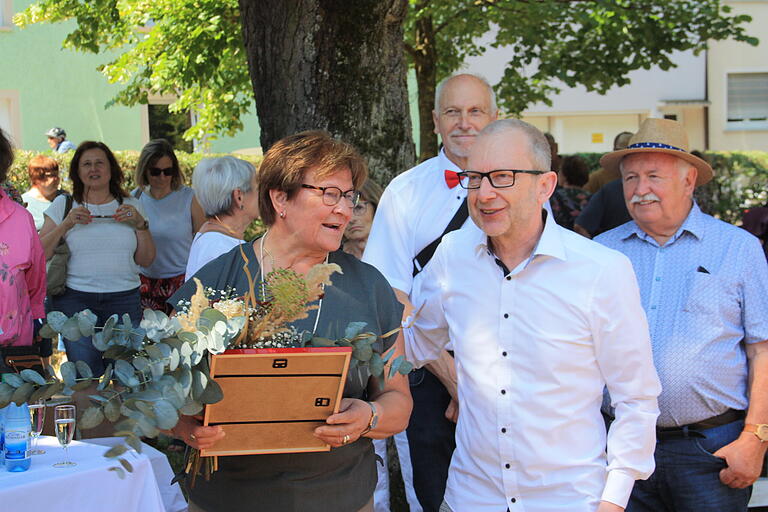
[[425, 64], [333, 65]]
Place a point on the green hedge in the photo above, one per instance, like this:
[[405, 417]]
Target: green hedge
[[740, 182]]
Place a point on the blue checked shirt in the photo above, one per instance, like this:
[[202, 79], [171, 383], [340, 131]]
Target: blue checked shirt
[[705, 293]]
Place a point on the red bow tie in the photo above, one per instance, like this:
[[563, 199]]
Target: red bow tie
[[451, 178]]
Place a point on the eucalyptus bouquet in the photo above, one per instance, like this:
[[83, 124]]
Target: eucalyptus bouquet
[[160, 369]]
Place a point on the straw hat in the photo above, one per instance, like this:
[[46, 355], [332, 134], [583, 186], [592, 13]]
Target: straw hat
[[659, 136]]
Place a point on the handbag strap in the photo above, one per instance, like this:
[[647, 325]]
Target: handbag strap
[[67, 206], [421, 259]]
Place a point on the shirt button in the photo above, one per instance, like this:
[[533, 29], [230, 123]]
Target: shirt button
[[507, 466], [503, 430], [509, 278], [503, 391], [513, 500], [506, 315], [504, 354], [653, 307], [658, 279]]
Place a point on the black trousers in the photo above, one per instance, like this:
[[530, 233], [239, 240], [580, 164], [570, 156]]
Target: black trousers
[[431, 438]]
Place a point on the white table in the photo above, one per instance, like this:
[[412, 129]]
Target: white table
[[87, 487]]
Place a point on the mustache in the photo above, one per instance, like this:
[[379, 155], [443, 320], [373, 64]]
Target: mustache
[[645, 197], [459, 131]]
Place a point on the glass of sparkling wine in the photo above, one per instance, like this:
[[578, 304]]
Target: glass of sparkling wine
[[37, 417], [64, 418]]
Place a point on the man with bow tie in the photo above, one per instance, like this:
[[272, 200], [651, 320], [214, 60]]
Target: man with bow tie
[[415, 211]]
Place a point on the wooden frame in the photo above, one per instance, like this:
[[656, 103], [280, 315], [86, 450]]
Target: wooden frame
[[275, 398]]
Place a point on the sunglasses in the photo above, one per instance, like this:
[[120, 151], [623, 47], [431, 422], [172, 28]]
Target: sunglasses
[[155, 171]]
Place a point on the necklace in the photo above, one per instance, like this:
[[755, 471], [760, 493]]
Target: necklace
[[226, 228], [261, 270]]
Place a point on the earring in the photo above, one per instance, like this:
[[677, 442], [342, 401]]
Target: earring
[[282, 214]]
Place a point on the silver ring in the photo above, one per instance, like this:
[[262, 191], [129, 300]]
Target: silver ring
[[192, 436], [129, 214], [345, 439]]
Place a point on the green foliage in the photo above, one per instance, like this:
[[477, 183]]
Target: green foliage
[[740, 182], [192, 49]]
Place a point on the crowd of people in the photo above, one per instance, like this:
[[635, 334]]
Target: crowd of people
[[555, 372]]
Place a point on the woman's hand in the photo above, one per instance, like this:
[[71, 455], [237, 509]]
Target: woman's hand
[[79, 215], [191, 430], [345, 426], [129, 215]]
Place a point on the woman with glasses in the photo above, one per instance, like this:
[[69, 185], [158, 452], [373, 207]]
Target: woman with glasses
[[359, 227], [226, 189], [44, 186], [307, 192], [174, 217], [108, 238]]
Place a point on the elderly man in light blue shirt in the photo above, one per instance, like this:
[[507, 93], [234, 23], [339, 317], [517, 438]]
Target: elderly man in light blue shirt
[[703, 285]]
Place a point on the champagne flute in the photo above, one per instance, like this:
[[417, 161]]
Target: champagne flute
[[37, 417], [65, 418]]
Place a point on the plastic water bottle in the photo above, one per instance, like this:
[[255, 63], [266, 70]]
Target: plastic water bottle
[[17, 428], [2, 435]]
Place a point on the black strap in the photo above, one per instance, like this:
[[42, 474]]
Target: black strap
[[67, 206], [421, 259]]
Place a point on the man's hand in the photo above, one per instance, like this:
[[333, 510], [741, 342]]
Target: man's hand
[[607, 506], [452, 412], [744, 457]]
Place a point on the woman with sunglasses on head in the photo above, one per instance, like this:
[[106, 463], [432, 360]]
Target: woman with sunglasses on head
[[174, 217], [108, 239]]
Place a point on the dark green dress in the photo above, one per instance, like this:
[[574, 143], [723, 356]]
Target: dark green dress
[[342, 479]]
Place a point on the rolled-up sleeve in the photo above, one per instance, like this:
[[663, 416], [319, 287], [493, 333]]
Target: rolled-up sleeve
[[623, 349]]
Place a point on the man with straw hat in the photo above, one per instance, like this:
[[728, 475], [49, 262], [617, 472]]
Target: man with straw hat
[[702, 284]]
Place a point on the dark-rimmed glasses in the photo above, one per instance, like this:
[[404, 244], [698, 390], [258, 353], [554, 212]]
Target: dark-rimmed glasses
[[155, 171], [499, 178], [360, 208], [332, 195]]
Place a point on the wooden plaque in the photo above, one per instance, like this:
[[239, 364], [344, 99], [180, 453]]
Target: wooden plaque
[[275, 398]]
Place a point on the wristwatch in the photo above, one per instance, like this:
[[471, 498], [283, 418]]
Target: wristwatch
[[374, 419], [144, 226], [760, 430]]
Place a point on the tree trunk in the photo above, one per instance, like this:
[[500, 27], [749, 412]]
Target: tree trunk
[[425, 63], [333, 65]]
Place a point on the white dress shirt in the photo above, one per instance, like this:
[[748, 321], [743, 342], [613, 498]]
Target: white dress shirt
[[534, 351]]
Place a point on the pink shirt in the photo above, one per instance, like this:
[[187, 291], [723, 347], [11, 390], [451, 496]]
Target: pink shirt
[[22, 274]]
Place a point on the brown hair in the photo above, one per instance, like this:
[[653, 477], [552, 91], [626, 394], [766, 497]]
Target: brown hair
[[371, 192], [6, 155], [288, 160], [153, 151], [575, 170], [115, 173], [38, 166]]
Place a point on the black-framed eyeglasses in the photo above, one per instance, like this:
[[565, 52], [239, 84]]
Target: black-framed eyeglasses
[[360, 208], [155, 171], [332, 195], [499, 178]]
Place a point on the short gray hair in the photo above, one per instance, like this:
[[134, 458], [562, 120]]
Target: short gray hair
[[214, 180], [541, 155], [441, 85]]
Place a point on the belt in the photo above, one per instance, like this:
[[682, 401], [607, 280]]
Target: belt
[[694, 429]]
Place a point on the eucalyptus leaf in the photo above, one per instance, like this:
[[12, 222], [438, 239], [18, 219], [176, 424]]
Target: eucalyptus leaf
[[126, 465], [147, 427], [191, 408], [33, 377], [154, 352], [56, 320], [99, 342], [81, 385], [38, 394], [199, 383], [46, 331], [377, 366], [6, 392], [115, 352], [71, 329], [141, 363], [83, 369], [112, 410], [99, 398], [157, 368], [188, 337], [116, 451], [353, 329], [86, 321], [362, 352], [53, 389], [214, 315], [92, 418], [68, 372], [166, 415], [174, 359], [13, 380], [22, 393], [212, 393], [134, 442], [105, 379], [127, 322], [185, 379], [120, 472], [405, 367], [125, 373], [395, 366], [317, 341], [109, 325]]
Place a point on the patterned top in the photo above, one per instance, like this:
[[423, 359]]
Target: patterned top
[[567, 203], [22, 274], [704, 292]]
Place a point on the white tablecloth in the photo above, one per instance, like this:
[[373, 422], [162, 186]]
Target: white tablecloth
[[87, 487]]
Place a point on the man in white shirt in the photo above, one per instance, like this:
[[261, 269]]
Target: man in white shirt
[[542, 320], [413, 212]]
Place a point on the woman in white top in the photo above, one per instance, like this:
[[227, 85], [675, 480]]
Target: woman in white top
[[226, 189], [174, 217], [44, 187], [108, 239]]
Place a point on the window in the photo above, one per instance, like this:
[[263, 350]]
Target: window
[[5, 15], [10, 120], [748, 100]]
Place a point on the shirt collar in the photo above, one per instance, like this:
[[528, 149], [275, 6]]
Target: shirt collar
[[693, 224], [550, 242], [445, 163], [6, 205]]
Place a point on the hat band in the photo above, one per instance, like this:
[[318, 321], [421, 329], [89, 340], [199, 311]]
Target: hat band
[[656, 145]]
